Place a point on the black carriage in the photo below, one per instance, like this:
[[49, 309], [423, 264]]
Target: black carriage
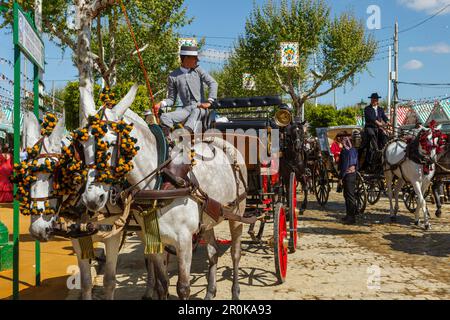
[[269, 197]]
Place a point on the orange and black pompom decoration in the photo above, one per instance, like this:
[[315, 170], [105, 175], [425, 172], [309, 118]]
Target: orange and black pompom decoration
[[48, 124]]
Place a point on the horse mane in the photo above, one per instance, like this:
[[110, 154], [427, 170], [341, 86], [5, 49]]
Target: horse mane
[[139, 123], [131, 115]]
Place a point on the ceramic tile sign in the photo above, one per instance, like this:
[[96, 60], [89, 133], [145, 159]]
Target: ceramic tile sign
[[248, 81], [289, 54]]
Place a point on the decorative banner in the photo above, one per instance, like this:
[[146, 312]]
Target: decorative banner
[[289, 54], [248, 81]]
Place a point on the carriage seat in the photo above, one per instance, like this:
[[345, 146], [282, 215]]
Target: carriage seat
[[244, 125]]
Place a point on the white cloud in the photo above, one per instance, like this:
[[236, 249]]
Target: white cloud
[[429, 6], [439, 48], [413, 65]]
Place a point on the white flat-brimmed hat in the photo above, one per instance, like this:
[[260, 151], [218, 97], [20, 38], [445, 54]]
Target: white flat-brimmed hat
[[148, 112], [189, 51]]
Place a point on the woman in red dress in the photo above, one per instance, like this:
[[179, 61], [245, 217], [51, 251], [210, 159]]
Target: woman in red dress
[[6, 170], [336, 148]]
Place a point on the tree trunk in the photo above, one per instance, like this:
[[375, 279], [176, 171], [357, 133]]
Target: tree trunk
[[297, 104], [112, 34], [84, 62]]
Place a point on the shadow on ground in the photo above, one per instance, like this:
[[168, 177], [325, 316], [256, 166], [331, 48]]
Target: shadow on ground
[[50, 289], [429, 244]]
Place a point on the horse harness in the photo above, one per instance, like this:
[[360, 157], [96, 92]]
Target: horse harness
[[179, 181], [176, 184], [412, 153]]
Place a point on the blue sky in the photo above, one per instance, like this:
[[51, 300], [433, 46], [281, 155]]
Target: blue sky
[[424, 51]]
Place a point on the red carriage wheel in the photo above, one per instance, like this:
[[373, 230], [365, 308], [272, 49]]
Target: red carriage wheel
[[293, 234], [281, 242]]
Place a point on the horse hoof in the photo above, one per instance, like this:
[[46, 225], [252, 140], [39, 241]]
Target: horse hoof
[[417, 222], [427, 226], [438, 213]]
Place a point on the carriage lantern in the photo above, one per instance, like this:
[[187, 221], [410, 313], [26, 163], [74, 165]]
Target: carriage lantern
[[283, 117]]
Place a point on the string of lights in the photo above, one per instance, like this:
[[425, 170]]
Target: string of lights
[[424, 100], [11, 65]]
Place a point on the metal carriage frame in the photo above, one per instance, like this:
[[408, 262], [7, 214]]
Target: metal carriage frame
[[270, 198]]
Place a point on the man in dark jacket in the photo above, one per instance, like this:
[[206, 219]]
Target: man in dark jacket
[[376, 123], [348, 166]]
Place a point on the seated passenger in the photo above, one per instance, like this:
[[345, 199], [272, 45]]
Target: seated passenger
[[187, 82], [336, 147]]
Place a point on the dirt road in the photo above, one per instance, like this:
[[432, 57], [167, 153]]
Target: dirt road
[[371, 260]]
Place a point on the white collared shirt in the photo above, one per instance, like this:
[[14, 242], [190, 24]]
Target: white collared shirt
[[184, 70]]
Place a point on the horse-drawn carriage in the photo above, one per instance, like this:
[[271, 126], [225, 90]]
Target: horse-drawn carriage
[[325, 171], [252, 126]]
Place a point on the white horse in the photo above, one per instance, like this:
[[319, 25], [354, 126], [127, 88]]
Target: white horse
[[178, 222], [182, 219], [41, 227], [397, 162]]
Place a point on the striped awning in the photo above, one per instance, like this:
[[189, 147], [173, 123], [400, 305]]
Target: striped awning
[[359, 121], [445, 104], [441, 112], [423, 111], [402, 114], [6, 118]]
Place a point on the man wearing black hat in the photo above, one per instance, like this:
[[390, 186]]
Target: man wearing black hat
[[187, 83], [375, 123]]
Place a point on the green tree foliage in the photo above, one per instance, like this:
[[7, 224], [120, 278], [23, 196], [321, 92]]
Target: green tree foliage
[[340, 44], [71, 97], [327, 116], [231, 82], [154, 23]]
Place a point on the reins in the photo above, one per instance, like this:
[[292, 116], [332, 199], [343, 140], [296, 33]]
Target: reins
[[141, 61]]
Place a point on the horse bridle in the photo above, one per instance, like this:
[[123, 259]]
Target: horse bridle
[[113, 193], [48, 155]]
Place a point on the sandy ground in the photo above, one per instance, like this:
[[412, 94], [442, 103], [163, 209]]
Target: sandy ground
[[371, 260], [56, 257]]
